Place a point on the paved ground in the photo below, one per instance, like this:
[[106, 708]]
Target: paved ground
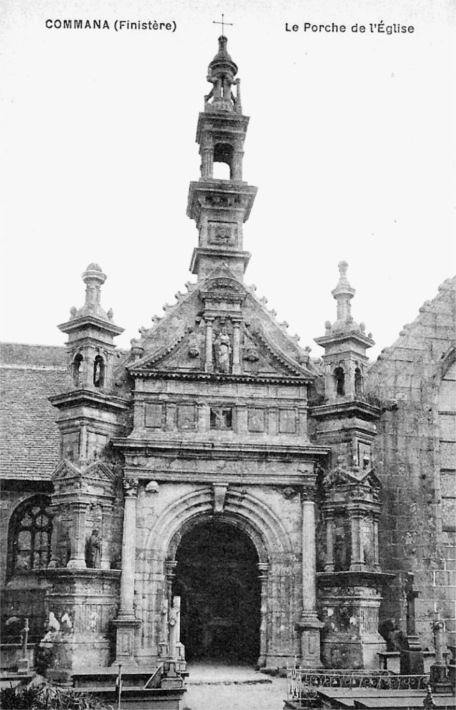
[[218, 687]]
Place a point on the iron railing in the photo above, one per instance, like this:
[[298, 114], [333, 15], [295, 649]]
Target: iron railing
[[303, 684]]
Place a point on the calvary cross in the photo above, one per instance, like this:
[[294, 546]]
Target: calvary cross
[[223, 23]]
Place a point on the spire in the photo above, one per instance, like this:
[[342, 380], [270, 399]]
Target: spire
[[221, 74], [343, 293]]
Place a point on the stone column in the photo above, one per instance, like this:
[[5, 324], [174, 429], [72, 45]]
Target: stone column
[[237, 164], [329, 565], [309, 625], [170, 575], [207, 162], [78, 543], [209, 365], [83, 442], [236, 347], [126, 622], [106, 530], [375, 542], [357, 562], [263, 568]]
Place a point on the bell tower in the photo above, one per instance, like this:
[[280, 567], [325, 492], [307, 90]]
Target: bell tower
[[221, 206]]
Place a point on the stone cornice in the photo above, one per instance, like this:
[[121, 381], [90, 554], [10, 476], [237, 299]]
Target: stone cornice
[[344, 335], [221, 377], [214, 450], [295, 480], [352, 578], [83, 320], [80, 397], [353, 408]]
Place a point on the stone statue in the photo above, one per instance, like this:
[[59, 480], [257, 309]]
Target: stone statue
[[94, 550], [223, 346], [193, 345]]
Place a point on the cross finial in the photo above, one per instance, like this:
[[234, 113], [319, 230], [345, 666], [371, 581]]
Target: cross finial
[[223, 23]]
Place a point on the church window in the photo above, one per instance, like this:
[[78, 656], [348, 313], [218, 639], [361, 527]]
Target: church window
[[98, 371], [339, 376], [29, 536], [358, 382], [77, 370]]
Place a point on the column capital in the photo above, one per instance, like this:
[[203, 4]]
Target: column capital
[[308, 494], [130, 486]]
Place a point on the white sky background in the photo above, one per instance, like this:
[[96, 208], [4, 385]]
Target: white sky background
[[351, 143]]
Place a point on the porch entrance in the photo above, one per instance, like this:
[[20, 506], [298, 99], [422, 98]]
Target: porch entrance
[[217, 580]]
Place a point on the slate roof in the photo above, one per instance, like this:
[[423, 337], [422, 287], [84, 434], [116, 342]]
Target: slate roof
[[29, 437]]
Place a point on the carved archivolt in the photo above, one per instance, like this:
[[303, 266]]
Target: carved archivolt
[[242, 510]]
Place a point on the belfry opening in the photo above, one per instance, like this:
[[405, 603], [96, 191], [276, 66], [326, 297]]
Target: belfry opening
[[217, 580]]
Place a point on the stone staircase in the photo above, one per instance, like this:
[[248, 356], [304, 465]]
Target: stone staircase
[[164, 689]]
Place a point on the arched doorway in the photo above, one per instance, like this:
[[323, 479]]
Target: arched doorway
[[217, 580]]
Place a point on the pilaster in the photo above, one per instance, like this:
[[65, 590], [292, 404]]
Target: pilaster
[[309, 625], [126, 622]]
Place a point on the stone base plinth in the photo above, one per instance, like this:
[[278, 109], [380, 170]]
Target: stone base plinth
[[350, 603], [309, 628], [81, 606], [125, 640]]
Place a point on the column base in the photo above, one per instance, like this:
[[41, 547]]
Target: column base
[[125, 639], [77, 564], [309, 627]]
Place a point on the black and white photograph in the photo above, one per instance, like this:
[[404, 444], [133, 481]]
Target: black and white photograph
[[228, 354]]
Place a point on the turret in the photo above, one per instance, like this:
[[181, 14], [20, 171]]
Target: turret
[[91, 334], [345, 343]]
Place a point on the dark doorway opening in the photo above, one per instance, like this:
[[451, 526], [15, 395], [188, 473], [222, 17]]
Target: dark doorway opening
[[217, 580]]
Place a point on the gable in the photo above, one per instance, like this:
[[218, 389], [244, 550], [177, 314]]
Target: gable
[[220, 327]]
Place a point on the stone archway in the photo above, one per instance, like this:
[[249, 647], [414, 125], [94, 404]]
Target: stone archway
[[217, 578]]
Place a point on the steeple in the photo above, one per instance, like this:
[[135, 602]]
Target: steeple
[[221, 206]]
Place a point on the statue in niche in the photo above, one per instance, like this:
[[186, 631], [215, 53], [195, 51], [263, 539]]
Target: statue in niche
[[223, 350], [193, 346], [341, 559], [94, 550]]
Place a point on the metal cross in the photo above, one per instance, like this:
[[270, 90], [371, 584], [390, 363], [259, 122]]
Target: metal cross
[[223, 23]]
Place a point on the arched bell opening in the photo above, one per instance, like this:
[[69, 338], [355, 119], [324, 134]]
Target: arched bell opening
[[217, 579], [223, 161]]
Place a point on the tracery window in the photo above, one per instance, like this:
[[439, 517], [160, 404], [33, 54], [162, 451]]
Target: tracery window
[[29, 536]]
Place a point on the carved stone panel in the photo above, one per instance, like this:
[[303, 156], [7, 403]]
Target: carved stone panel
[[287, 421], [154, 415], [256, 419], [222, 233], [186, 416]]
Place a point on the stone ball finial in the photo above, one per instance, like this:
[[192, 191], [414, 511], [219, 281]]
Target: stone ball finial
[[94, 273]]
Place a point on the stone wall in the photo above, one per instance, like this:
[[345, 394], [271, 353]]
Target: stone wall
[[415, 383]]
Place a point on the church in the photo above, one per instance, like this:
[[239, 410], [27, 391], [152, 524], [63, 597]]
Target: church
[[215, 492]]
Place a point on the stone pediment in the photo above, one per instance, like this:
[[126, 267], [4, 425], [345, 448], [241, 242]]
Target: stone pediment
[[342, 477], [252, 341], [96, 471]]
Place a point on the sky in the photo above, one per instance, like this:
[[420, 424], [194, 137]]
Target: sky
[[351, 144]]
